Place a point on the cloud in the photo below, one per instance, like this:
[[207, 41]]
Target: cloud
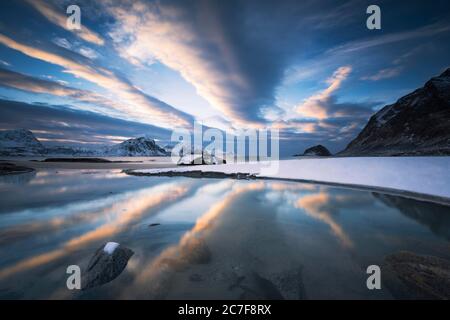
[[316, 106], [55, 124], [58, 88], [60, 19], [76, 47], [134, 102], [426, 31], [384, 74], [7, 64], [233, 64]]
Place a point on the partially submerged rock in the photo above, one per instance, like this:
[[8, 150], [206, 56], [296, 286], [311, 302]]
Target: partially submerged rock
[[107, 264], [318, 151], [412, 276], [154, 224]]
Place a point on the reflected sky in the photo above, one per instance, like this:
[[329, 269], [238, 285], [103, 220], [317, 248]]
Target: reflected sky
[[221, 239]]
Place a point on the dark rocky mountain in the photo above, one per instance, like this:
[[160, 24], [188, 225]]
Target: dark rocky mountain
[[318, 151], [417, 124]]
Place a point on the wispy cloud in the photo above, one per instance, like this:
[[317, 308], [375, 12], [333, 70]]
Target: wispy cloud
[[233, 73], [134, 102], [76, 47], [54, 123], [60, 19], [384, 74], [316, 105], [7, 64], [58, 88], [357, 45]]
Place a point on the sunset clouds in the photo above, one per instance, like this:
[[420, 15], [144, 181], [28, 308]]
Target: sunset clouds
[[227, 64]]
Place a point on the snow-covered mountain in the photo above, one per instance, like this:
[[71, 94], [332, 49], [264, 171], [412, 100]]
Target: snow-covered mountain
[[142, 146], [23, 143], [20, 142], [417, 124]]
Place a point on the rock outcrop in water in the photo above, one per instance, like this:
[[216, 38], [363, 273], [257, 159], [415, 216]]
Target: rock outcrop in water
[[417, 124], [107, 264], [317, 151]]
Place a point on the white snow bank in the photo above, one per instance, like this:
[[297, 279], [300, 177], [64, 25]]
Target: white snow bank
[[110, 247], [425, 175]]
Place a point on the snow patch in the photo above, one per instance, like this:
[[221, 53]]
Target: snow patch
[[424, 175], [110, 247]]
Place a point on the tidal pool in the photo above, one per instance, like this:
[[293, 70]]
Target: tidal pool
[[206, 238]]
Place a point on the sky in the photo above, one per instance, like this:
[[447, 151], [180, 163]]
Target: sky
[[311, 68]]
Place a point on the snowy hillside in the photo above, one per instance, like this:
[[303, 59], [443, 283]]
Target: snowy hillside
[[142, 147], [20, 142]]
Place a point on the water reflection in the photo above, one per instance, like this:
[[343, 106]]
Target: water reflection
[[216, 239]]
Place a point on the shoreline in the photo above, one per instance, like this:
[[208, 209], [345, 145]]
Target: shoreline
[[197, 174], [431, 183], [426, 178]]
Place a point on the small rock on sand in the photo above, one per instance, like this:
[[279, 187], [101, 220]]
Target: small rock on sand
[[107, 264]]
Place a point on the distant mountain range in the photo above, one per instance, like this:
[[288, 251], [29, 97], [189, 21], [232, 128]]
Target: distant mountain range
[[417, 124], [22, 142]]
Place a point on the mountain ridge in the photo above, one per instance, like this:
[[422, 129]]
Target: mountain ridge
[[22, 142], [417, 124]]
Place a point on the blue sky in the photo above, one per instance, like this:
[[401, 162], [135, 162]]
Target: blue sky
[[310, 68]]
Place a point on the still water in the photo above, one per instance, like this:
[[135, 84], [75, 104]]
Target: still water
[[216, 239]]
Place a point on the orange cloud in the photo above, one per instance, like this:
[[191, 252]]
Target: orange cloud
[[315, 106], [315, 206]]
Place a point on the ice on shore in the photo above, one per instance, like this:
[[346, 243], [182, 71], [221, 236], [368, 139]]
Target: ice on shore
[[424, 175]]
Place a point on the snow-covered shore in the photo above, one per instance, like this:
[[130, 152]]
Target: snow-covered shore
[[421, 175]]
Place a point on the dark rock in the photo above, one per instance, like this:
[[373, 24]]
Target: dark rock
[[7, 168], [107, 264], [411, 276], [81, 160], [195, 277], [417, 124], [318, 150], [154, 224], [193, 174]]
